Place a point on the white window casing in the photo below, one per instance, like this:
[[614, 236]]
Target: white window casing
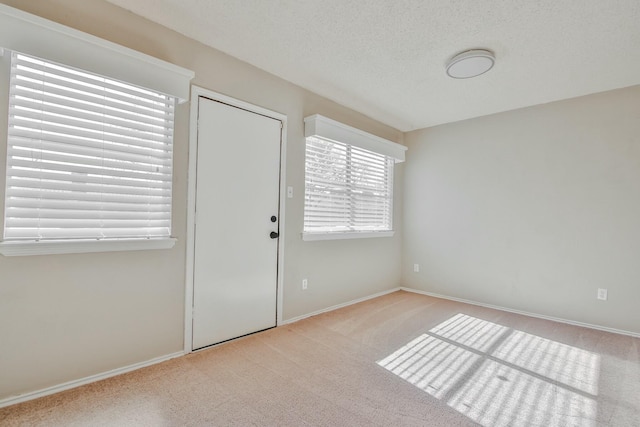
[[89, 141], [32, 35], [348, 181], [324, 128]]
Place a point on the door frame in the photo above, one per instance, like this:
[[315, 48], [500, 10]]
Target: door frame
[[196, 93]]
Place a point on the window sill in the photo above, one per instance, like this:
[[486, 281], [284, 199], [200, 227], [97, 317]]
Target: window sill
[[307, 237], [82, 246]]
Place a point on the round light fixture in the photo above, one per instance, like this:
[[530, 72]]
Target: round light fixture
[[470, 63]]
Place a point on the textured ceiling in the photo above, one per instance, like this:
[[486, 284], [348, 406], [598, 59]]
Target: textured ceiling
[[385, 58]]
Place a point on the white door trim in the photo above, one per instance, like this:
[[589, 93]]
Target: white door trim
[[196, 93]]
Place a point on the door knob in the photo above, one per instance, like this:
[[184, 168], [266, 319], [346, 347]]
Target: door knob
[[273, 218], [273, 235]]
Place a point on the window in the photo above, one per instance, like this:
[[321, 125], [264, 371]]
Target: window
[[88, 138], [347, 189], [348, 181], [87, 157]]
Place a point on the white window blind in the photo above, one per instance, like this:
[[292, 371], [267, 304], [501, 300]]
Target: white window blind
[[88, 157], [347, 188]]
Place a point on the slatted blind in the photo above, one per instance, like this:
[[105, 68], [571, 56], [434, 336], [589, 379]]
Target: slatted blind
[[87, 157], [347, 188]]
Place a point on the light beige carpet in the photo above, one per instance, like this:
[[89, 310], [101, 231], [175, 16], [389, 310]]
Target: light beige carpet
[[401, 359]]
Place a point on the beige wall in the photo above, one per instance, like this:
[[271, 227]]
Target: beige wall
[[65, 317], [531, 209]]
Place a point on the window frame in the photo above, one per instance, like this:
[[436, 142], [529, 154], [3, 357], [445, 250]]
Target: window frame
[[331, 131], [29, 246], [51, 41]]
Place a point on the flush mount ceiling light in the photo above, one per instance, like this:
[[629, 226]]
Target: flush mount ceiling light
[[470, 63]]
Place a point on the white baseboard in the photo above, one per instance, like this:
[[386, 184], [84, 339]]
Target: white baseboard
[[524, 313], [86, 380], [93, 378], [337, 306]]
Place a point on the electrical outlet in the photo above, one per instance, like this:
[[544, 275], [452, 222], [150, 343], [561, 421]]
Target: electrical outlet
[[602, 294], [416, 268], [305, 283]]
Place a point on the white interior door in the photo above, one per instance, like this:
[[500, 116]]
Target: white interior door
[[237, 199]]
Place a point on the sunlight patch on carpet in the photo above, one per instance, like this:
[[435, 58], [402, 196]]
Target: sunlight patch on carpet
[[569, 365], [497, 395], [469, 331], [498, 376], [430, 364]]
